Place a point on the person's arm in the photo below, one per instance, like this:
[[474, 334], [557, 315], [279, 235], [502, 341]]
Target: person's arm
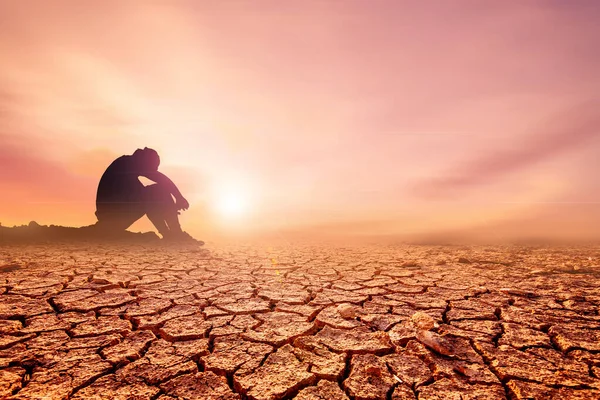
[[162, 179]]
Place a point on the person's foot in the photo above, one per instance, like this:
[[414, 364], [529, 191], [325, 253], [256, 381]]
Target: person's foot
[[181, 237]]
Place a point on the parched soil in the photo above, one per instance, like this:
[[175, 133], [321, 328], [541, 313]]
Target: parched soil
[[299, 322]]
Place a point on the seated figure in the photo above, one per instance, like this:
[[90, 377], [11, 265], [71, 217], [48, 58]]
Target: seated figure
[[122, 199]]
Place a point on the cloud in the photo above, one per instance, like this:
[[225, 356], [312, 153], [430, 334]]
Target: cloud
[[565, 132], [24, 168]]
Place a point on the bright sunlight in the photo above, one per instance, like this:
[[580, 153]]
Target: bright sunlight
[[232, 202]]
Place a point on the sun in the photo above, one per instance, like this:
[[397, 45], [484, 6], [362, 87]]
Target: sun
[[232, 202], [231, 205]]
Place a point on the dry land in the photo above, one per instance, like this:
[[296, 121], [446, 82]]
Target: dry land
[[299, 322]]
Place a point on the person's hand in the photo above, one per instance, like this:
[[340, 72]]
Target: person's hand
[[182, 204]]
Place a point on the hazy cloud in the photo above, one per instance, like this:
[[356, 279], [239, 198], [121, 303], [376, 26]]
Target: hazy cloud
[[562, 133]]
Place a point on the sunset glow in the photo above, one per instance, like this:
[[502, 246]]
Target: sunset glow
[[232, 203], [392, 118]]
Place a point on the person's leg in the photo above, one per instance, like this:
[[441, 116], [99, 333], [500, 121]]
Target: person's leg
[[118, 216], [161, 210]]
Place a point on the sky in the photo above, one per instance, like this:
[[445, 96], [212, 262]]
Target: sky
[[369, 118]]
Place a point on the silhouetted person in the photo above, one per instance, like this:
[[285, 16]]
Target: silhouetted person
[[122, 199]]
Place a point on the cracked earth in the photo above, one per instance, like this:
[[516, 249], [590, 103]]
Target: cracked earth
[[307, 323]]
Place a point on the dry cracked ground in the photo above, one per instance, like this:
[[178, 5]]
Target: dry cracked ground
[[299, 322]]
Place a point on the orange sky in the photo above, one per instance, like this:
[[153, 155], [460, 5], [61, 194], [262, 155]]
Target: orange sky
[[340, 117]]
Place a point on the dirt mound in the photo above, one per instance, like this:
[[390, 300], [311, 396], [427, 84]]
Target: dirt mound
[[35, 233]]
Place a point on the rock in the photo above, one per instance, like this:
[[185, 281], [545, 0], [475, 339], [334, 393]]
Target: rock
[[435, 342], [346, 311], [333, 317], [422, 321], [451, 346]]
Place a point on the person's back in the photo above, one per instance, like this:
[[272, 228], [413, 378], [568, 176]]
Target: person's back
[[120, 181]]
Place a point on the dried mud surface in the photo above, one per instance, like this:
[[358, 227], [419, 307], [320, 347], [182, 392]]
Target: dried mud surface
[[299, 322]]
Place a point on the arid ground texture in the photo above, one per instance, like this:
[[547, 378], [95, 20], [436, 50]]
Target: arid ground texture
[[299, 322]]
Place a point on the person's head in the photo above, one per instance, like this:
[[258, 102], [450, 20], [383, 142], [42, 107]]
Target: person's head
[[148, 157]]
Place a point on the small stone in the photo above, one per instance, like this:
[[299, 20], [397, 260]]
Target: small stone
[[451, 346], [346, 311], [435, 342], [333, 317], [423, 321]]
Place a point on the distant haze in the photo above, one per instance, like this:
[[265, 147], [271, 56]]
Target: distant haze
[[323, 118]]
